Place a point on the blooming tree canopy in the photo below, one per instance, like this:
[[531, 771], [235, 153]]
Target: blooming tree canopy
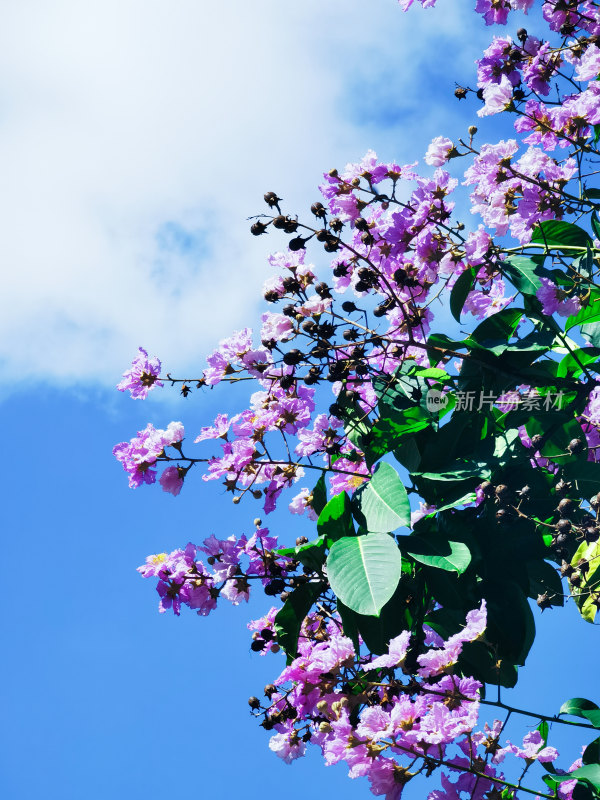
[[448, 481]]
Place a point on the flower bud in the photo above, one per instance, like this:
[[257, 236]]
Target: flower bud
[[258, 228], [254, 703], [297, 244], [272, 200], [293, 357], [565, 507], [502, 491], [279, 222]]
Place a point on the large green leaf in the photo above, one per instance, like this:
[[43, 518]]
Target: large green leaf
[[545, 580], [388, 432], [591, 332], [319, 495], [556, 234], [521, 272], [591, 754], [291, 615], [437, 552], [590, 773], [460, 292], [376, 632], [382, 504], [335, 520], [311, 554], [580, 707], [364, 571], [586, 474], [499, 327], [590, 312]]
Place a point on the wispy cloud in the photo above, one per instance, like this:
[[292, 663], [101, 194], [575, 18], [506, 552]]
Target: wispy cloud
[[137, 136]]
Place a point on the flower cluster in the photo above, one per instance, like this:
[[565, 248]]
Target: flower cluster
[[143, 451], [184, 579], [342, 367]]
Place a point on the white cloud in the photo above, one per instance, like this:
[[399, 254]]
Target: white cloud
[[137, 135]]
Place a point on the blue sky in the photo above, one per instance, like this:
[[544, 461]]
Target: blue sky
[[136, 139]]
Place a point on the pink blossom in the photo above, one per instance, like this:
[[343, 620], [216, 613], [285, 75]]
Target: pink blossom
[[301, 504], [287, 746], [396, 654], [438, 151], [142, 376], [533, 749], [215, 431], [497, 97], [275, 327], [171, 480], [555, 300]]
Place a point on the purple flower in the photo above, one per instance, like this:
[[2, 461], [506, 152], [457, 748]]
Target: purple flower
[[301, 504], [396, 654], [172, 480], [438, 151], [288, 746], [533, 749], [497, 97], [555, 300], [142, 376], [140, 454]]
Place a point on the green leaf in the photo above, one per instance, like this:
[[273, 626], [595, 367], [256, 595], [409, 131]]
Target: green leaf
[[290, 617], [595, 222], [335, 520], [497, 328], [580, 707], [466, 499], [544, 579], [591, 332], [555, 234], [479, 470], [479, 661], [364, 571], [382, 504], [590, 312], [521, 272], [408, 454], [349, 625], [586, 474], [591, 754], [311, 554], [460, 291], [437, 552], [584, 356], [590, 773], [543, 728], [393, 426], [510, 620], [376, 632], [319, 496]]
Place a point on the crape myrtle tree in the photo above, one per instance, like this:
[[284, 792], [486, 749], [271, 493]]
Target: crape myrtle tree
[[394, 632]]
